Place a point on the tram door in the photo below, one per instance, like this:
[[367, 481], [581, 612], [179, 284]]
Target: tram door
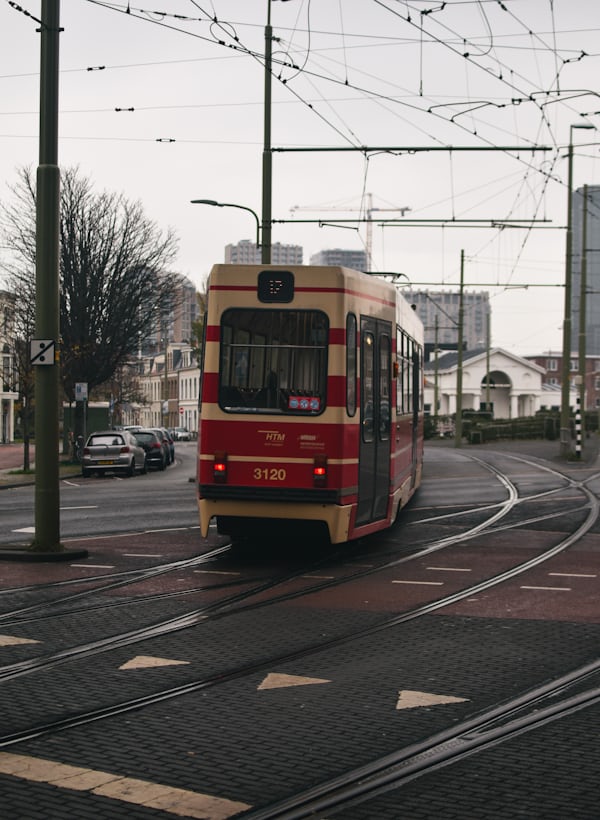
[[375, 419]]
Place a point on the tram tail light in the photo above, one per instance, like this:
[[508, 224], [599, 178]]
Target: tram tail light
[[320, 471], [220, 468]]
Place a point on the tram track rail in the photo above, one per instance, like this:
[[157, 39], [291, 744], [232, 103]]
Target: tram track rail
[[503, 722], [240, 600], [195, 617]]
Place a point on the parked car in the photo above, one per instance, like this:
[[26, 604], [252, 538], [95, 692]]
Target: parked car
[[181, 434], [154, 447], [168, 442], [112, 451]]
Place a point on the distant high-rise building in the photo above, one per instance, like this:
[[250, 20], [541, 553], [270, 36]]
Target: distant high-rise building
[[177, 327], [592, 267], [248, 253], [438, 310], [336, 256]]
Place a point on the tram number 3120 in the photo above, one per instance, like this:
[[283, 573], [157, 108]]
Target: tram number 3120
[[269, 474]]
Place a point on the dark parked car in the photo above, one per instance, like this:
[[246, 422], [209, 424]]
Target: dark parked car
[[112, 451], [168, 442], [154, 447]]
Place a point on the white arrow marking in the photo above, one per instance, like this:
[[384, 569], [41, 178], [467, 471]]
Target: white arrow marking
[[11, 640], [408, 699], [274, 681], [147, 662]]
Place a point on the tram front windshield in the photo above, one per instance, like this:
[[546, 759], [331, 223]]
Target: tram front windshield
[[273, 361]]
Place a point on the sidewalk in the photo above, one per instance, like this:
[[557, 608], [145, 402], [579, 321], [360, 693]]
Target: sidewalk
[[11, 456], [11, 462]]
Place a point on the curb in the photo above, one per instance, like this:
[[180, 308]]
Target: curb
[[28, 555]]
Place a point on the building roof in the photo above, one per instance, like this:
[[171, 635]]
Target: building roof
[[449, 361]]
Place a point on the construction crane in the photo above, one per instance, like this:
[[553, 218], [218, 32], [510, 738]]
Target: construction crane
[[368, 211]]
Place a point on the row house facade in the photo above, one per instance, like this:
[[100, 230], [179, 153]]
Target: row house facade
[[170, 397], [8, 386], [553, 363]]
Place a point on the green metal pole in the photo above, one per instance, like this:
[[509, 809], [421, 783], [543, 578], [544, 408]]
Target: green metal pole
[[565, 432], [267, 174], [47, 502], [582, 313], [459, 368]]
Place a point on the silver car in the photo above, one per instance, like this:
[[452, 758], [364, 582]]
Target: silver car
[[114, 451]]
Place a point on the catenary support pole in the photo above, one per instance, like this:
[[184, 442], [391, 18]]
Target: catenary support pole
[[47, 502]]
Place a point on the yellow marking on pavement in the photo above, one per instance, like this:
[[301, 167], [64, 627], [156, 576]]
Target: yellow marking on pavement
[[12, 640], [409, 699], [147, 662], [180, 802], [274, 681]]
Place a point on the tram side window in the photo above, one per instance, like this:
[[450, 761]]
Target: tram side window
[[273, 361], [368, 386], [351, 372], [406, 348], [384, 387]]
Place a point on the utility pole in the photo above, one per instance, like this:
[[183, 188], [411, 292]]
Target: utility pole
[[47, 323], [267, 166], [436, 375], [583, 312], [459, 367]]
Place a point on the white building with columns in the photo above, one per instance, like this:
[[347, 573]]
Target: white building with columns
[[515, 384]]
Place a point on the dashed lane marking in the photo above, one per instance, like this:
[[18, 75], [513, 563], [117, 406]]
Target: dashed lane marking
[[275, 681], [450, 569], [181, 802], [12, 640], [149, 662], [88, 507], [422, 583], [409, 699], [550, 589], [94, 566], [25, 529], [571, 575]]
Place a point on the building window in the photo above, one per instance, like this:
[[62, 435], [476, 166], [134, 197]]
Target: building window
[[551, 364]]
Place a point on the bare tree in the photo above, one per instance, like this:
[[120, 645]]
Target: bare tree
[[114, 285]]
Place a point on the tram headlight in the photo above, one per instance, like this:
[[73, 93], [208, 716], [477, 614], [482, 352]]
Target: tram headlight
[[220, 468], [320, 471]]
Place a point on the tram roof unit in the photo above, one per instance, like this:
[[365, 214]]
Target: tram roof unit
[[315, 287]]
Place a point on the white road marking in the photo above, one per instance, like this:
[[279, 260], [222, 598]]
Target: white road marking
[[422, 583], [94, 566], [409, 699], [275, 681], [550, 589], [149, 662], [449, 569], [11, 640], [571, 575], [182, 802]]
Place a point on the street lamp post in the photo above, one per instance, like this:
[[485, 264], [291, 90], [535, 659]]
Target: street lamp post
[[216, 204], [565, 436]]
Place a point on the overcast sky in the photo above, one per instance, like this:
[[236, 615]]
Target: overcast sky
[[347, 73]]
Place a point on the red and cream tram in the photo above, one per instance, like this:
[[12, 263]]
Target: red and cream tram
[[311, 402]]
